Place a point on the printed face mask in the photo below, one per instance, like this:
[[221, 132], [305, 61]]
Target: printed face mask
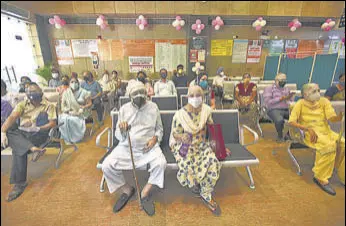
[[195, 101]]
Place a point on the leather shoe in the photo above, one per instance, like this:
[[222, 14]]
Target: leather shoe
[[17, 190], [122, 201], [327, 187]]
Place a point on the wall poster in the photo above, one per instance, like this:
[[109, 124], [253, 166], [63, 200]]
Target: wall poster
[[291, 47], [139, 47], [276, 47], [254, 51], [84, 47], [221, 47], [64, 52], [138, 63], [239, 51]]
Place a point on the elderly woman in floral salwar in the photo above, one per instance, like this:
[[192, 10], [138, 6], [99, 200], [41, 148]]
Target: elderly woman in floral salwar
[[311, 115], [199, 169]]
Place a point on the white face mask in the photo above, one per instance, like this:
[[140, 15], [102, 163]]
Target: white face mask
[[314, 97], [195, 101], [55, 75], [222, 73]]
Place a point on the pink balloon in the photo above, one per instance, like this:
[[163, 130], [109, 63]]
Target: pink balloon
[[198, 21], [102, 17], [329, 20], [178, 18], [145, 22], [258, 28], [290, 24], [178, 28], [63, 22], [194, 26], [328, 29], [198, 31], [202, 26], [138, 22], [51, 21], [220, 22], [57, 19], [214, 22]]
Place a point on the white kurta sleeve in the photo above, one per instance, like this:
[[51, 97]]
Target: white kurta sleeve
[[158, 127], [118, 134]]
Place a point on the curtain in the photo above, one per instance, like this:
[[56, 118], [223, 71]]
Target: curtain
[[323, 70]]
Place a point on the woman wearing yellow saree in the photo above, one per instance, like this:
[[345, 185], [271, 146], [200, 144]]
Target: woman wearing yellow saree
[[311, 115]]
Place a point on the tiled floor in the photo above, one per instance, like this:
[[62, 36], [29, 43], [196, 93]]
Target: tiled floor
[[70, 195]]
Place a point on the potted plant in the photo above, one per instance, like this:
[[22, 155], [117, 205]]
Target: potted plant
[[45, 72]]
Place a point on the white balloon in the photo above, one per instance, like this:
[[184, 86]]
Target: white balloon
[[141, 27], [175, 23], [193, 69], [263, 23], [293, 28], [182, 23], [197, 64], [57, 26], [253, 24], [217, 27], [202, 67], [257, 22], [331, 23], [141, 17], [198, 26], [99, 21]]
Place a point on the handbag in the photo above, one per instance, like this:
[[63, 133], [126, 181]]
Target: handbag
[[216, 140]]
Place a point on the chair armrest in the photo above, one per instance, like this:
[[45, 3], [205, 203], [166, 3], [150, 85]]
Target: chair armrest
[[98, 139], [297, 135], [255, 135]]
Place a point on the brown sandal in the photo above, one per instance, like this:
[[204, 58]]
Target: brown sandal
[[213, 206]]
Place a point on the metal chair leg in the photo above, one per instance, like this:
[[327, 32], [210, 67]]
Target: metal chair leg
[[252, 182], [259, 127], [299, 171], [57, 162], [102, 185]]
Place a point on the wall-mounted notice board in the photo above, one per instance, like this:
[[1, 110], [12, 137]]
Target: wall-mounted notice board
[[221, 47], [139, 47], [84, 47]]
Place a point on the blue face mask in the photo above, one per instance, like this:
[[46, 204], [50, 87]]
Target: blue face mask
[[203, 84]]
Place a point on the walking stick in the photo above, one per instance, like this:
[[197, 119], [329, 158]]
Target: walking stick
[[134, 169]]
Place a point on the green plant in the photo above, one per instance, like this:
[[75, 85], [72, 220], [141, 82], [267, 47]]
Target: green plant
[[45, 72]]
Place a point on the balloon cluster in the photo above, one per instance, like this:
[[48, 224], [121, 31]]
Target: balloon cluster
[[178, 23], [328, 25], [197, 67], [141, 22], [294, 24], [217, 23], [59, 23], [102, 22], [259, 23], [198, 26]]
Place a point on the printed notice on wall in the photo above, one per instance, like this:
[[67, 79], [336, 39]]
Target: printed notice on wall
[[139, 47], [117, 52], [276, 47], [141, 63], [221, 47], [169, 54], [239, 51], [84, 47], [291, 47], [104, 50], [254, 51], [334, 46], [64, 52]]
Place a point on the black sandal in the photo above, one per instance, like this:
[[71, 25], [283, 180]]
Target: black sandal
[[122, 201], [148, 205], [215, 209]]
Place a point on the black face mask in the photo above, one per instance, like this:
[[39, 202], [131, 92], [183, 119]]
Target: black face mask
[[163, 75], [35, 97], [139, 101], [65, 83], [141, 79], [282, 84]]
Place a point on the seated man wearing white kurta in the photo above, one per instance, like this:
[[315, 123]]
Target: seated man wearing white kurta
[[142, 119]]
